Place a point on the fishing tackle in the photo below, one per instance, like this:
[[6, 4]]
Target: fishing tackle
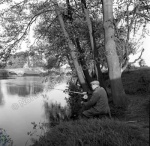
[[81, 93]]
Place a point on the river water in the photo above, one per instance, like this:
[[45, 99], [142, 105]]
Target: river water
[[22, 101]]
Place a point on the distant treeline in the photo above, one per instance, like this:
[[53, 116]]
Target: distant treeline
[[21, 59]]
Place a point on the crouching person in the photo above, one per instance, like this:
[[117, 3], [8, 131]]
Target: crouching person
[[98, 105]]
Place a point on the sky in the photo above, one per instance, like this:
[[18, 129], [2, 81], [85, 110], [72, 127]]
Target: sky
[[146, 45], [146, 54]]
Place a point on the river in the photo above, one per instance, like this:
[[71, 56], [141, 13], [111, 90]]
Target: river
[[22, 101]]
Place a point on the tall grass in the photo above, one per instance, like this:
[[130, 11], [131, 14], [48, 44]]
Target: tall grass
[[55, 113], [93, 132], [138, 109]]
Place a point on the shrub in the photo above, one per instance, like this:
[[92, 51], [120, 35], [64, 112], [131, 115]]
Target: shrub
[[56, 113], [93, 132], [74, 100]]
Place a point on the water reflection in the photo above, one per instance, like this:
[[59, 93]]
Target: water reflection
[[24, 90], [1, 96], [27, 93], [27, 87]]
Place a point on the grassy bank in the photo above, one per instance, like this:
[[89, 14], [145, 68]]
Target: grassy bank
[[94, 132], [128, 127]]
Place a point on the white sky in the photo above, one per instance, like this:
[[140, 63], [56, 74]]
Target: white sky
[[146, 53], [145, 45]]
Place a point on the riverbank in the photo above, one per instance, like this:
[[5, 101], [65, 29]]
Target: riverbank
[[8, 73], [128, 127], [25, 99]]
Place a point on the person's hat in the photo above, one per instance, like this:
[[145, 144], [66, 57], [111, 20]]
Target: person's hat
[[95, 82]]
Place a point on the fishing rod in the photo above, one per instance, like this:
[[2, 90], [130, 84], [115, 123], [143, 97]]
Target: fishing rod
[[69, 91]]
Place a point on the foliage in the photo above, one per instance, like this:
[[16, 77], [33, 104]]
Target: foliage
[[94, 132], [55, 113], [142, 63], [55, 19], [52, 62], [4, 73], [17, 19], [4, 54], [20, 59], [74, 100], [17, 61], [5, 138], [130, 17]]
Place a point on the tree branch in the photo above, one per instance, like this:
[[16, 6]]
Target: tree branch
[[145, 16], [138, 57], [129, 63], [47, 29], [33, 19]]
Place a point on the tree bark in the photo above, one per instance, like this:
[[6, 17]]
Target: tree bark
[[93, 45], [72, 50], [111, 55], [83, 63]]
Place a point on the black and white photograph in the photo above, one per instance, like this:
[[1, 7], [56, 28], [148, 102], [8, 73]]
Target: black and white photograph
[[74, 72]]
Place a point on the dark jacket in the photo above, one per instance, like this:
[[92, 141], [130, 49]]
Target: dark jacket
[[99, 101]]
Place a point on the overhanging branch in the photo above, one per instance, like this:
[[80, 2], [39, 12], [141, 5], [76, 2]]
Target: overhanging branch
[[33, 19], [46, 32], [138, 57], [129, 63]]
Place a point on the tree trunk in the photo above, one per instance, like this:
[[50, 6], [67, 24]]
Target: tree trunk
[[83, 63], [72, 50], [93, 46], [112, 57]]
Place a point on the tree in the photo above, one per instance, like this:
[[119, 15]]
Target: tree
[[17, 60], [117, 89], [4, 54], [129, 17], [93, 44], [72, 50], [73, 30]]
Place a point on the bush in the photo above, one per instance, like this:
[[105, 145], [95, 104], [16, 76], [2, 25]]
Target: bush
[[55, 113], [74, 100], [93, 132]]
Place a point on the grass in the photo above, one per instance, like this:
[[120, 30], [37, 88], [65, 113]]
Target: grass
[[94, 132], [137, 85], [128, 127], [138, 109], [137, 82]]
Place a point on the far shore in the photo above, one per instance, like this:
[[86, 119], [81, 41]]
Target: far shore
[[21, 72], [37, 71]]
